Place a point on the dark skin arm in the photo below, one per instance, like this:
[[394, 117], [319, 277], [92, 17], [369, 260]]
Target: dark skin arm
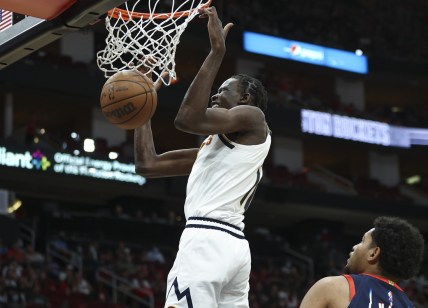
[[151, 165], [329, 292], [194, 116]]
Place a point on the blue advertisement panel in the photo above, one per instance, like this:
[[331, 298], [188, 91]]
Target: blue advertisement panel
[[304, 52]]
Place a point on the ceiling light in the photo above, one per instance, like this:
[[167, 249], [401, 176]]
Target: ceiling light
[[414, 179]]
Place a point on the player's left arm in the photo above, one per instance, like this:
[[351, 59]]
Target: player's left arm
[[152, 165], [327, 292]]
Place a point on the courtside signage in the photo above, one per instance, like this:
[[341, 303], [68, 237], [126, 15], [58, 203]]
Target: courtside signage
[[367, 131], [13, 159], [64, 163], [304, 52]]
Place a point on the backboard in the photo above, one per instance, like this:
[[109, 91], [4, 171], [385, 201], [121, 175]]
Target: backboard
[[48, 21]]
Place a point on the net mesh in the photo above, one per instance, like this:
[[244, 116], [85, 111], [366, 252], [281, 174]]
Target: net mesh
[[146, 40]]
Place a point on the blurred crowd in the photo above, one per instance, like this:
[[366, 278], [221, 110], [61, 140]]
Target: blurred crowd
[[31, 278], [393, 30], [281, 176], [277, 175], [295, 92]]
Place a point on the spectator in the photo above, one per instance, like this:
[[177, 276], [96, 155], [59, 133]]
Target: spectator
[[60, 243], [16, 252], [80, 285], [155, 255], [34, 258], [3, 250]]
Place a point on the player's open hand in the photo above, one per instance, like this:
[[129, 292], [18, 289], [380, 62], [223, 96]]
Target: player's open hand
[[216, 31]]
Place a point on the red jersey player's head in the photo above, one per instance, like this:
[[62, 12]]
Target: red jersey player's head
[[392, 249]]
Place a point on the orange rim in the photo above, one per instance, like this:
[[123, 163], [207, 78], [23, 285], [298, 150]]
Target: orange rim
[[114, 13]]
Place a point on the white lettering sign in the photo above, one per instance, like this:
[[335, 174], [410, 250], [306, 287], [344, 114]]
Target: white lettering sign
[[315, 122], [96, 168], [326, 124], [19, 160], [73, 165]]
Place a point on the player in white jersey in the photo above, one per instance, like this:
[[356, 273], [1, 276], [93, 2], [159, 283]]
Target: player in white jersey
[[224, 179], [213, 262]]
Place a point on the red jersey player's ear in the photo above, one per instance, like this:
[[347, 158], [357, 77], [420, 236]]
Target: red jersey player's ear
[[374, 254]]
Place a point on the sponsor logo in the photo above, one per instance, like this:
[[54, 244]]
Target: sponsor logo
[[297, 50], [40, 161], [111, 89], [37, 160], [121, 111]]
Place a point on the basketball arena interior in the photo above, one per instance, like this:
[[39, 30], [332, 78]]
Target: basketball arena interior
[[80, 229]]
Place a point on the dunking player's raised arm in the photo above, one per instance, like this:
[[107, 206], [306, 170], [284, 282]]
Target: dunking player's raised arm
[[193, 115]]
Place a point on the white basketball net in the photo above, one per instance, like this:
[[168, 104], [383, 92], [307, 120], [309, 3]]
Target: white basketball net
[[145, 40]]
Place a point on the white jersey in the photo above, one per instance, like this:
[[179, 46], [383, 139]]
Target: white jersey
[[224, 179]]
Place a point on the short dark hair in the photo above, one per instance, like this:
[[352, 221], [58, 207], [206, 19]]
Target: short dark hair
[[255, 88], [401, 247]]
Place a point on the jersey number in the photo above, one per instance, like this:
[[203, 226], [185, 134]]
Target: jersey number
[[248, 197]]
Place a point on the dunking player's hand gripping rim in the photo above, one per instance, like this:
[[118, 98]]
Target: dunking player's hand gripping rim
[[133, 36]]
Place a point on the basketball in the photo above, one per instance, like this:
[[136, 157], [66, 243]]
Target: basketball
[[128, 99]]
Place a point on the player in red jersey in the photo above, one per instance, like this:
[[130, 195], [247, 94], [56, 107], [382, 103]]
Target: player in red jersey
[[388, 253]]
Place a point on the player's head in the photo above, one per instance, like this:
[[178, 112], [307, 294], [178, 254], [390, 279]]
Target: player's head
[[393, 247], [240, 89], [256, 90], [401, 245]]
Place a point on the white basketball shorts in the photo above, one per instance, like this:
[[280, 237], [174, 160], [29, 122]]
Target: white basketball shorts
[[212, 267]]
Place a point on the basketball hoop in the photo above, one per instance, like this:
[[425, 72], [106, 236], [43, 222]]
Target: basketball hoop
[[146, 40]]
